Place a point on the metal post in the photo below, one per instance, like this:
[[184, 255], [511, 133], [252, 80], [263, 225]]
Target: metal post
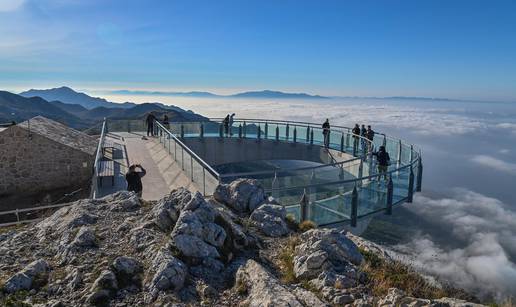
[[203, 181], [175, 150], [191, 168], [410, 195], [240, 131], [182, 158], [17, 215], [304, 207], [411, 153], [169, 144], [182, 131], [307, 134], [221, 132], [389, 195], [266, 130], [259, 132], [347, 140], [245, 130], [275, 186], [295, 134], [384, 141], [312, 136], [399, 152], [286, 132], [128, 126], [277, 133], [419, 174], [360, 170], [342, 142], [354, 207], [202, 130]]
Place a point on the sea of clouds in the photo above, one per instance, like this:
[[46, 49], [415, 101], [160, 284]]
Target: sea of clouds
[[482, 140]]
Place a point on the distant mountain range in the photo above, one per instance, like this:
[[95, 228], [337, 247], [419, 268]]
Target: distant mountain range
[[76, 109], [253, 94]]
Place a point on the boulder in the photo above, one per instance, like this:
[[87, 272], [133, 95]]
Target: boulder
[[25, 279], [270, 219], [243, 195], [85, 238], [192, 246], [127, 270], [123, 201], [326, 250], [262, 288], [165, 213], [169, 272]]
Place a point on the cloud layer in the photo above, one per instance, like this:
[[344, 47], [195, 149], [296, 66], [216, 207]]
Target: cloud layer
[[495, 163], [485, 230]]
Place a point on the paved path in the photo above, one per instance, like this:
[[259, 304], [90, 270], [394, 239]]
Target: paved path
[[163, 173]]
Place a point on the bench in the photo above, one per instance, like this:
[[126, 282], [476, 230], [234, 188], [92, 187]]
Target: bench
[[106, 169], [108, 144]]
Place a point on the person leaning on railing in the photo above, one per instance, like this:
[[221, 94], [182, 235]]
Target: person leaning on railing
[[356, 137]]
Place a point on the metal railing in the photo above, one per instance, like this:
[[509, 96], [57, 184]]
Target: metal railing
[[336, 192], [98, 157], [332, 193]]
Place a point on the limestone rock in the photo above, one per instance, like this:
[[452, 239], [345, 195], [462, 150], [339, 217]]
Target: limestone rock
[[191, 246], [270, 219], [263, 288], [308, 298], [243, 195], [127, 270], [328, 258], [166, 211], [24, 280], [85, 238], [170, 272]]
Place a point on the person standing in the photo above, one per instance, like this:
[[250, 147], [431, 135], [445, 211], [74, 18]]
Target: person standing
[[356, 137], [134, 179], [363, 134], [383, 159], [150, 124], [370, 137], [225, 122], [326, 133], [231, 120], [166, 123]]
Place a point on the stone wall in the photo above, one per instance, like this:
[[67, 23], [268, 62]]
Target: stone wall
[[36, 164]]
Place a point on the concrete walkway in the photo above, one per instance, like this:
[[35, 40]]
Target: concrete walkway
[[163, 173]]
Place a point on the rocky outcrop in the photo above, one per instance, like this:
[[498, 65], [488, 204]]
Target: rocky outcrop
[[242, 195], [35, 272], [263, 289], [329, 251], [270, 219], [185, 250], [396, 297]]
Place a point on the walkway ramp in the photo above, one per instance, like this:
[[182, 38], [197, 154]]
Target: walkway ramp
[[163, 173]]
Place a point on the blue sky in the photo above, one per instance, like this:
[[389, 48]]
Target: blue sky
[[457, 49]]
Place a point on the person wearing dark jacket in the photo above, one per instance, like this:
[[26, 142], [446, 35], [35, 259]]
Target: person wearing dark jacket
[[356, 137], [370, 137], [150, 124], [383, 159], [326, 133], [134, 179]]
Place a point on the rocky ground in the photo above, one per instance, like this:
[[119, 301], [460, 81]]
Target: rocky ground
[[235, 249]]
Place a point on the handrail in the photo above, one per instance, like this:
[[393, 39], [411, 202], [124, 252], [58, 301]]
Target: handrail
[[197, 158], [290, 169], [97, 159]]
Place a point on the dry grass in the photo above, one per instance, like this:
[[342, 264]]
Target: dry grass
[[306, 225], [286, 260], [291, 221], [384, 274]]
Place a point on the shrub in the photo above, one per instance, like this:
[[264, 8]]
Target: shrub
[[384, 274], [291, 221], [306, 225], [286, 260]]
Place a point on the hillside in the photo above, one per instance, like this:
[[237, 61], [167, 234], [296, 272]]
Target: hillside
[[234, 249], [18, 108], [198, 94], [69, 96]]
